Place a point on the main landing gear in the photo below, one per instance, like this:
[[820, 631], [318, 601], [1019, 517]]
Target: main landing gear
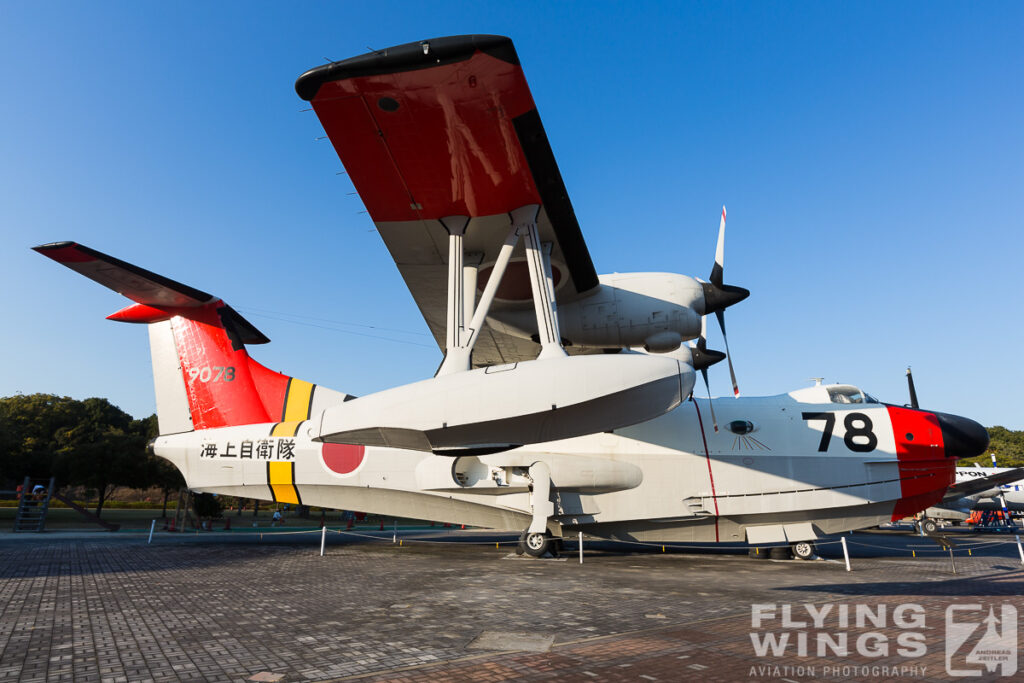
[[803, 550], [537, 544]]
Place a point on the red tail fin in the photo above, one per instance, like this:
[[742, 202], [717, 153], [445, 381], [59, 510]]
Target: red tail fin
[[203, 374]]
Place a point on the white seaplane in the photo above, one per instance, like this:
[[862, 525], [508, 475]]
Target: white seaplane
[[565, 399]]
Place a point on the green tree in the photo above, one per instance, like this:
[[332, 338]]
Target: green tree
[[30, 425], [90, 443], [104, 449]]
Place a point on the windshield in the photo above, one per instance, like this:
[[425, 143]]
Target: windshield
[[845, 395]]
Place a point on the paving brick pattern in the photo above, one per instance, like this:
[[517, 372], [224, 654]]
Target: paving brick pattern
[[94, 610]]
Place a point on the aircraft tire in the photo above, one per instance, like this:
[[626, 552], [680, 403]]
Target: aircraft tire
[[537, 544], [929, 526], [803, 550], [781, 553]]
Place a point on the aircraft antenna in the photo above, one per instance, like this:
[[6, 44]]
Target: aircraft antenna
[[913, 392]]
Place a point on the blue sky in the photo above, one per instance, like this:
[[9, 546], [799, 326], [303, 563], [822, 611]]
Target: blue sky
[[871, 156]]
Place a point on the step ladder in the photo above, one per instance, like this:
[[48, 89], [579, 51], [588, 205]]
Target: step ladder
[[31, 515]]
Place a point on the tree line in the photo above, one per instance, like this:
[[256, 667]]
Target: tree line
[[90, 443]]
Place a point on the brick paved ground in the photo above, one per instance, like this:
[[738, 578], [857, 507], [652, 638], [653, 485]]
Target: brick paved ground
[[186, 609]]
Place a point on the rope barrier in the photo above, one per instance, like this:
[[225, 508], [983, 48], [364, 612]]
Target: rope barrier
[[961, 548]]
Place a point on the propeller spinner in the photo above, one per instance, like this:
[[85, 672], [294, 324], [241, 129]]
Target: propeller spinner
[[703, 358], [718, 296]]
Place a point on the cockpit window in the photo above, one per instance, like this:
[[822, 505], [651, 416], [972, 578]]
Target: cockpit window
[[868, 398], [845, 395]]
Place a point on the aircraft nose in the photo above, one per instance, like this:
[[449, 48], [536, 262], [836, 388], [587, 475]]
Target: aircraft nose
[[962, 437]]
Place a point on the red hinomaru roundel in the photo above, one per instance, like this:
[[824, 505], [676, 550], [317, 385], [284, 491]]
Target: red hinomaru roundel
[[342, 458]]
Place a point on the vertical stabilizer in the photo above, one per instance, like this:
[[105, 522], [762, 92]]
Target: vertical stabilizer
[[172, 411], [202, 372]]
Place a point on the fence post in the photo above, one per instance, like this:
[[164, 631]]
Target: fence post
[[151, 527], [581, 547], [846, 553], [323, 539], [1020, 550]]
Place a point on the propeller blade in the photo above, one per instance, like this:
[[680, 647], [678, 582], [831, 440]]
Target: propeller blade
[[913, 393], [728, 355], [718, 270], [717, 294], [711, 404]]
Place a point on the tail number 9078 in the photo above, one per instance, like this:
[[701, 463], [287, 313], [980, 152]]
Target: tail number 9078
[[859, 438], [215, 373]]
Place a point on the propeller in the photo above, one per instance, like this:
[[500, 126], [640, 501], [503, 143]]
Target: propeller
[[913, 392], [718, 296], [703, 358]]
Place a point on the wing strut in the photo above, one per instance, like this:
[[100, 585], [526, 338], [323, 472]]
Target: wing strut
[[462, 337], [538, 259]]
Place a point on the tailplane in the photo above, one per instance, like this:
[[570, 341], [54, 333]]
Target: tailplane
[[203, 375]]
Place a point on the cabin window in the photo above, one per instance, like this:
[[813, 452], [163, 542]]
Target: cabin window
[[845, 395]]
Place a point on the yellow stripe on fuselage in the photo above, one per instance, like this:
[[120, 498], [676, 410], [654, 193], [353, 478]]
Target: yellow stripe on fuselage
[[281, 477], [285, 428], [296, 403]]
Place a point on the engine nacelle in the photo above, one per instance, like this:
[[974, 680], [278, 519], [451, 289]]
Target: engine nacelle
[[655, 310]]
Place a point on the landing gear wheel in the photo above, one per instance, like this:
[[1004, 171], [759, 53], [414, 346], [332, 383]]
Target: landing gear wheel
[[803, 550], [538, 543], [929, 526]]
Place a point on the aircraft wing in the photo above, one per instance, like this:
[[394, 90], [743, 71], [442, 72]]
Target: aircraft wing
[[448, 127], [968, 488]]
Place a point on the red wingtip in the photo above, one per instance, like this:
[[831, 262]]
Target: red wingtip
[[64, 252]]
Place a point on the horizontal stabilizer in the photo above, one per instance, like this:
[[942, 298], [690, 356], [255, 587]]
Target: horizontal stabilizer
[[156, 297], [138, 284], [969, 488]]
